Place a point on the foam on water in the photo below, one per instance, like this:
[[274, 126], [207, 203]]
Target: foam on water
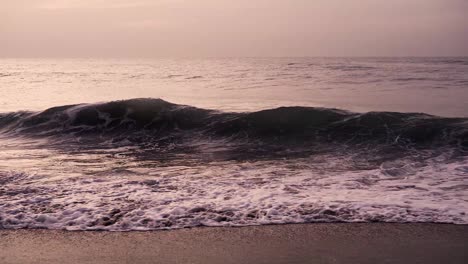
[[115, 189], [237, 194]]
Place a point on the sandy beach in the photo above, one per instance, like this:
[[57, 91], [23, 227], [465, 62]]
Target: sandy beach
[[308, 243]]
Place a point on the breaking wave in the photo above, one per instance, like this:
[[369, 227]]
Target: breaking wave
[[155, 120]]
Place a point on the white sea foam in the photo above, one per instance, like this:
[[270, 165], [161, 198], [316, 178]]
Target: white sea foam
[[237, 194]]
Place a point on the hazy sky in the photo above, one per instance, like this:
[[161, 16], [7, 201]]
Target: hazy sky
[[199, 28]]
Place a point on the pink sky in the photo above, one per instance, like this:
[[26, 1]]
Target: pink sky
[[201, 28]]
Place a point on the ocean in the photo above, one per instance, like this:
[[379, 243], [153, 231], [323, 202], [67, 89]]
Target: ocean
[[120, 145]]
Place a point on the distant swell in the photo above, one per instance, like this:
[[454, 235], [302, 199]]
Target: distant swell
[[155, 120]]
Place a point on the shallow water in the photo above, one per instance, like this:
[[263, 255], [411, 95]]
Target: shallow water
[[146, 164]]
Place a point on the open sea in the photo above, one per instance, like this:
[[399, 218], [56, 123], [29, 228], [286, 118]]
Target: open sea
[[89, 144]]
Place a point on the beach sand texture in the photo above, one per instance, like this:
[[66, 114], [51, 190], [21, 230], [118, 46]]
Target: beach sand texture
[[309, 243]]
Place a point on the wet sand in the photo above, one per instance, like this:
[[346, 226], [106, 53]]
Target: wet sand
[[308, 243]]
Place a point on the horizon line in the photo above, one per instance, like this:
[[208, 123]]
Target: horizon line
[[228, 57]]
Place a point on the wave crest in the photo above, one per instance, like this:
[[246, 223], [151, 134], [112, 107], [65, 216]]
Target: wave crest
[[156, 118]]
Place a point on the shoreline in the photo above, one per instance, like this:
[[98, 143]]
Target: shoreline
[[289, 243]]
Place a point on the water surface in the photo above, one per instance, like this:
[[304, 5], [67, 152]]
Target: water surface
[[232, 142]]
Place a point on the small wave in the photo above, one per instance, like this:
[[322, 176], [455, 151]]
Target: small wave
[[194, 77], [349, 68], [5, 75], [170, 76], [456, 61], [410, 79]]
